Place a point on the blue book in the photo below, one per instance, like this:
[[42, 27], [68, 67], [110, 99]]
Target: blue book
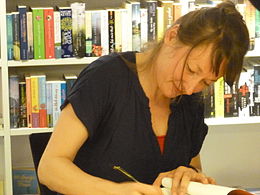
[[63, 91], [66, 32], [16, 35], [23, 33], [9, 27]]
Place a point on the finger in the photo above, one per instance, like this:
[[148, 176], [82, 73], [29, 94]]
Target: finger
[[149, 189], [158, 181], [200, 177], [211, 180], [184, 183], [176, 182]]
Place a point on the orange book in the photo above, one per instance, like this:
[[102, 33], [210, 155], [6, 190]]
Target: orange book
[[28, 101], [49, 33]]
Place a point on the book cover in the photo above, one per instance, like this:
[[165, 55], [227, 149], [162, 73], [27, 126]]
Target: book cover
[[49, 103], [23, 33], [56, 100], [111, 30], [49, 33], [78, 29], [14, 100], [152, 20], [96, 33], [28, 101], [219, 97], [9, 31], [25, 181], [38, 33], [66, 32], [22, 105], [57, 34], [42, 101], [30, 34], [136, 23], [144, 27], [88, 33], [16, 35], [35, 101]]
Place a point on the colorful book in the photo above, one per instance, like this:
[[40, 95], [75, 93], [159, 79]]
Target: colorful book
[[35, 101], [28, 100], [219, 97], [30, 35], [250, 22], [22, 105], [38, 33], [66, 32], [152, 20], [136, 23], [9, 29], [78, 29], [111, 30], [14, 100], [57, 34], [49, 33], [23, 33], [42, 101], [88, 33], [16, 35], [49, 103], [63, 91], [96, 33]]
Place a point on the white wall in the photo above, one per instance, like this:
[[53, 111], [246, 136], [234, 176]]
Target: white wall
[[231, 154]]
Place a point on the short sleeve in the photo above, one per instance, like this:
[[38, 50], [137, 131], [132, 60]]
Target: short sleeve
[[89, 96], [199, 130]]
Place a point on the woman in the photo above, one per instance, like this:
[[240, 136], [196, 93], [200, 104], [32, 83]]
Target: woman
[[142, 111]]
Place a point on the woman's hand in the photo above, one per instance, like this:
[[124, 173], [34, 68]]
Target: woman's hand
[[181, 178], [135, 188]]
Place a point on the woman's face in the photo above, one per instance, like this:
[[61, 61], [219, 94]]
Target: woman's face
[[175, 77]]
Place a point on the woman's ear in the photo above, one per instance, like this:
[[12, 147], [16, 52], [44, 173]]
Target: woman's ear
[[171, 34]]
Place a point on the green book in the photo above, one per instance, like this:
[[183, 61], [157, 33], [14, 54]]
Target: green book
[[38, 33], [257, 24]]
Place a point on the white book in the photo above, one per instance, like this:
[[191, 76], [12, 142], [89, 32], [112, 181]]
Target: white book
[[125, 30], [57, 34], [56, 98], [30, 34], [88, 33], [118, 30], [144, 27], [104, 32], [128, 22]]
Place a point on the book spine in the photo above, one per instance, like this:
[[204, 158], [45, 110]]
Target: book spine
[[42, 101], [9, 27], [144, 27], [96, 33], [243, 95], [56, 95], [227, 100], [63, 88], [28, 101], [234, 100], [219, 97], [177, 11], [16, 35], [49, 33], [78, 29], [49, 104], [22, 105], [104, 32], [250, 22], [23, 33], [14, 101], [128, 22], [160, 23], [30, 34], [118, 30], [257, 24], [125, 30], [35, 102], [88, 33], [152, 21], [66, 33], [136, 32], [57, 34], [111, 30], [167, 14], [38, 34]]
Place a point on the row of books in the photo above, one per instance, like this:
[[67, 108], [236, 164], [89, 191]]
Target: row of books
[[240, 100], [44, 33], [36, 102]]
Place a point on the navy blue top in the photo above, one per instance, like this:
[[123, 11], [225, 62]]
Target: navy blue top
[[109, 100]]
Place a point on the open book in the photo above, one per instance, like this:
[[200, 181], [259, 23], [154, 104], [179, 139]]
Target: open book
[[196, 188]]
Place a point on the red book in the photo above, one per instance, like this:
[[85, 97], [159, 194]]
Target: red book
[[28, 101], [49, 33]]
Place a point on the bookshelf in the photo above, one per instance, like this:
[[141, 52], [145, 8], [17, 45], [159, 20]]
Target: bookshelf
[[11, 152]]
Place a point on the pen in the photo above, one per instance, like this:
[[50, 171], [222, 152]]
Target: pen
[[125, 173]]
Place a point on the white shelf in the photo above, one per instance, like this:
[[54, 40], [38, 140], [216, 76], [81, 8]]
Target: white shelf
[[28, 131], [51, 62], [253, 53], [232, 121]]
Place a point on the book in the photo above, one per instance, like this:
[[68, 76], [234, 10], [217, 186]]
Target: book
[[209, 101], [96, 33], [22, 105], [25, 181], [14, 100], [56, 100], [42, 101], [104, 28], [136, 23], [160, 23], [196, 188], [49, 33], [38, 33], [28, 100], [70, 80], [144, 27], [167, 14], [250, 22], [23, 33], [125, 28], [57, 34], [9, 31], [177, 11], [30, 34], [66, 32], [35, 101], [257, 24], [49, 102], [219, 97], [111, 30], [152, 20], [16, 35], [118, 30], [78, 29], [88, 33]]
